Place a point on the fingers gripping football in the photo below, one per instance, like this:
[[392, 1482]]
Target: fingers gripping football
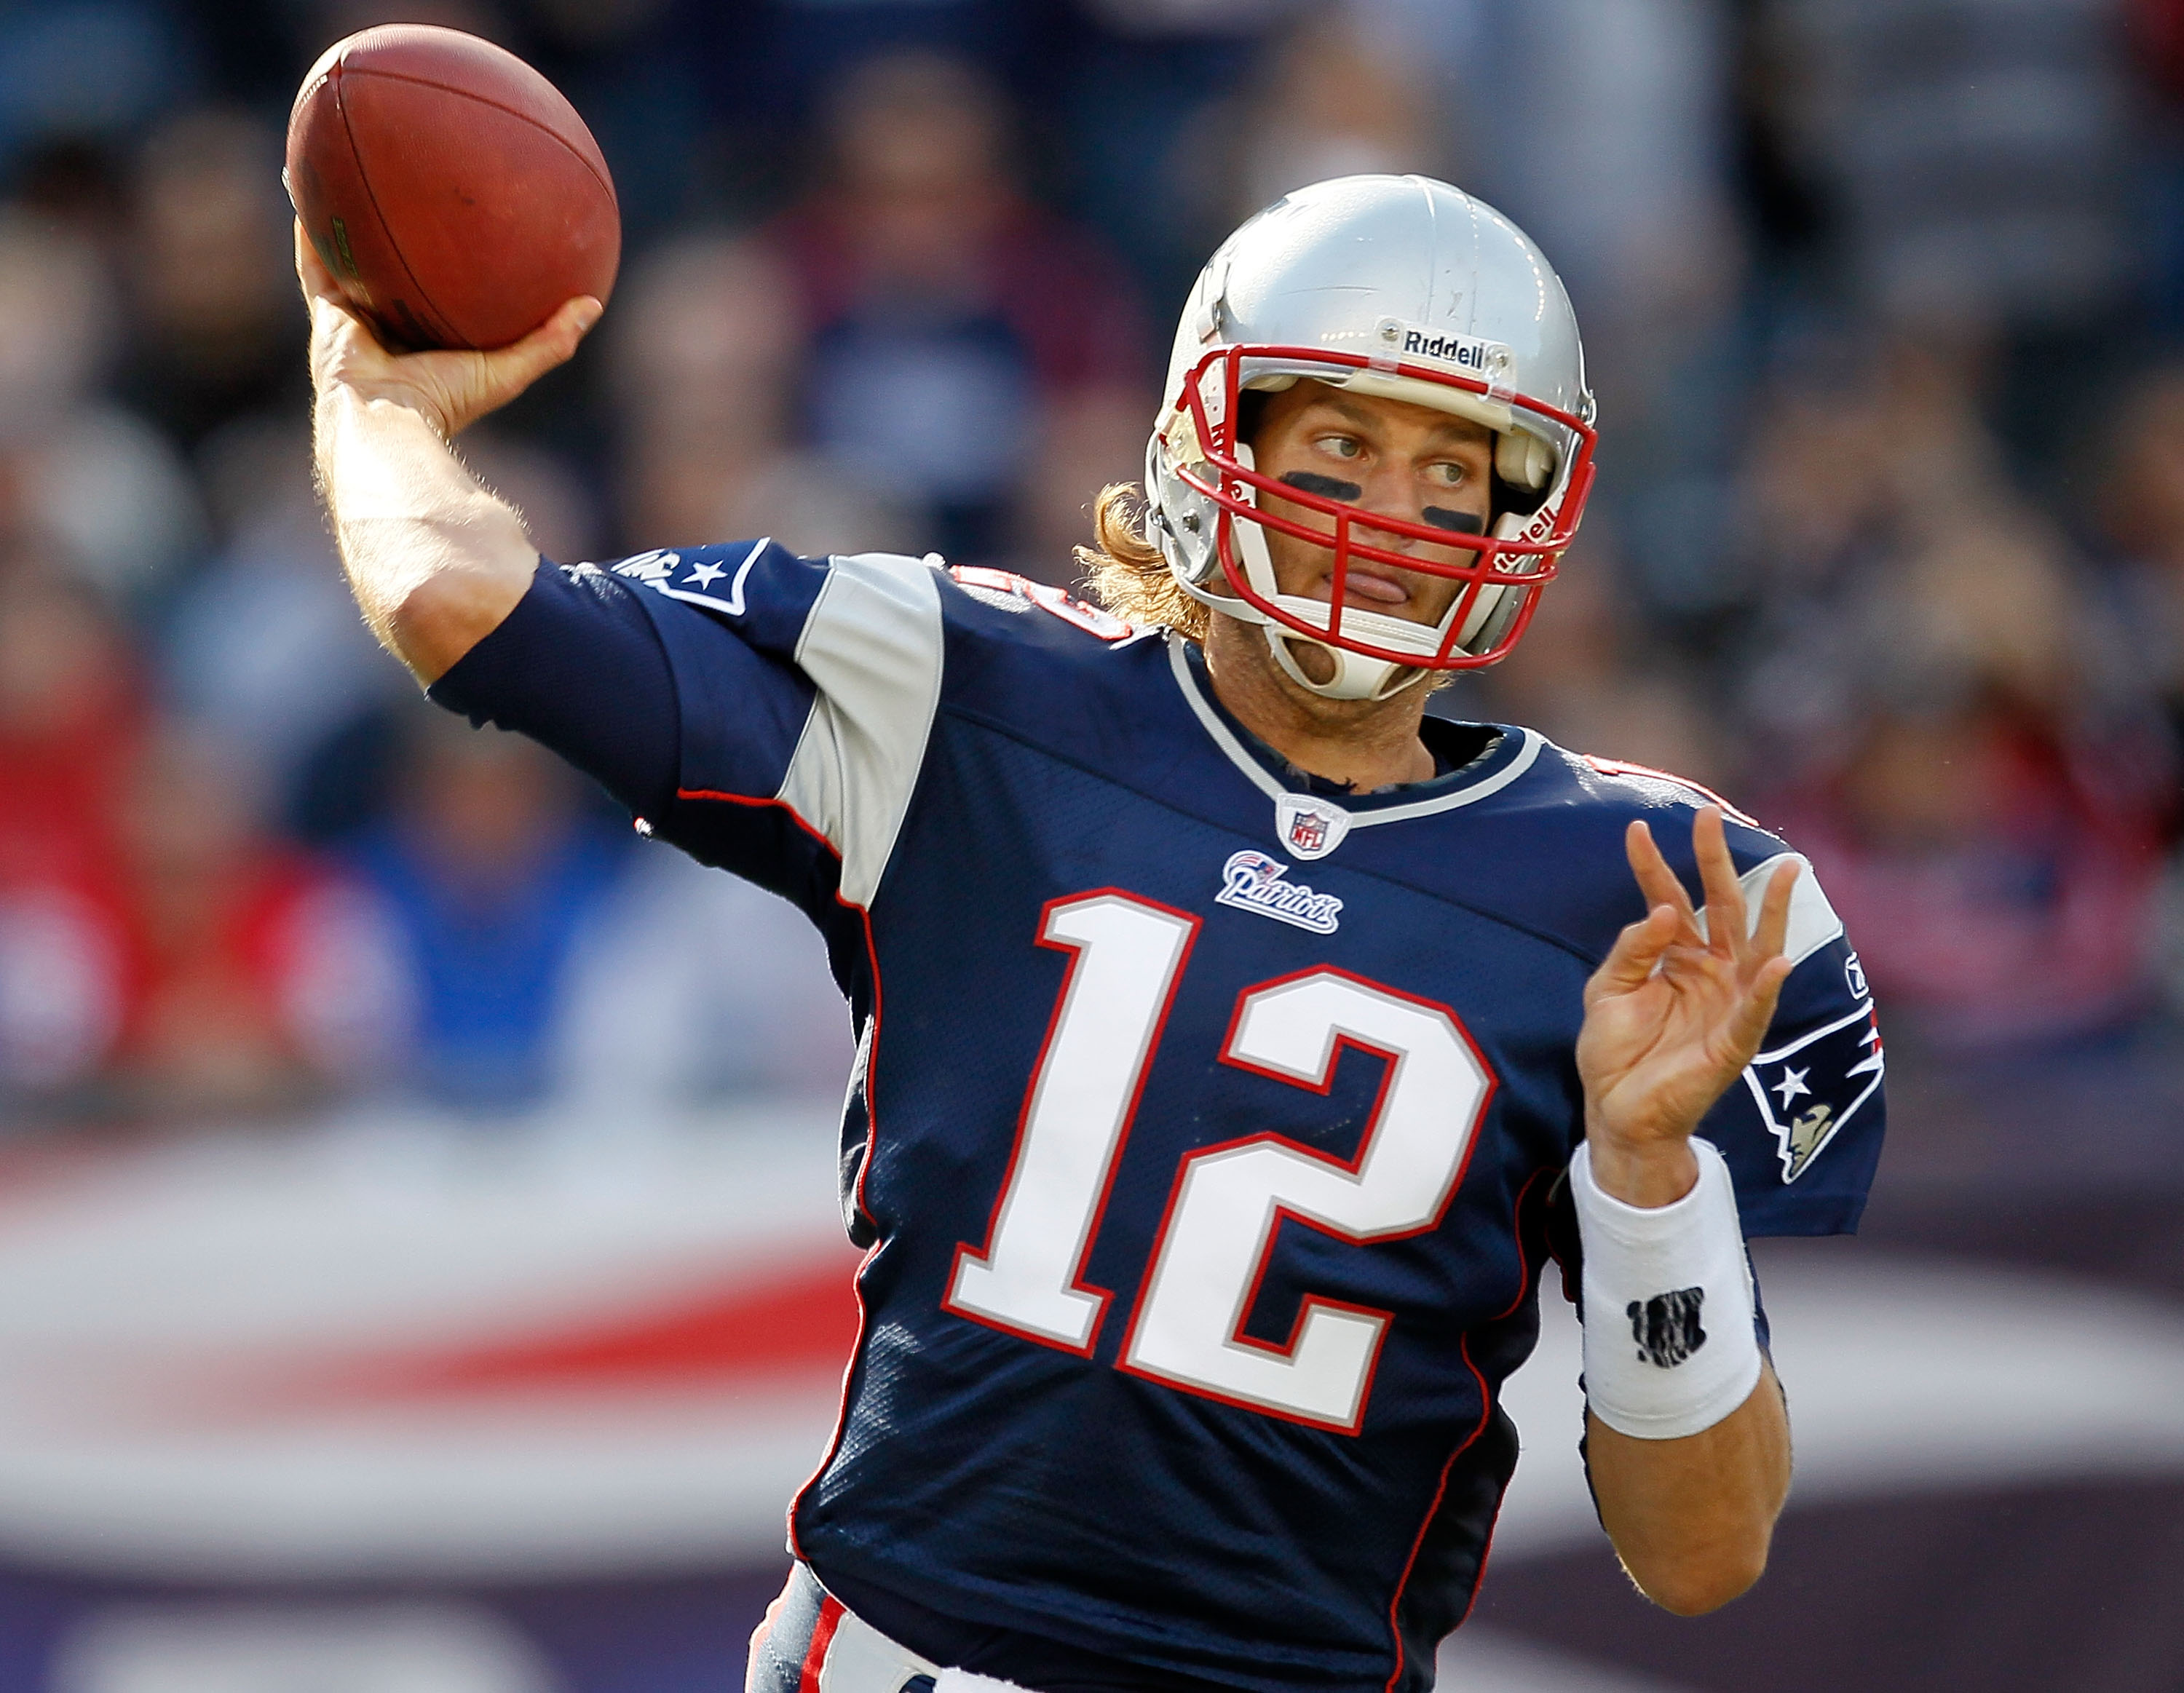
[[1680, 1007], [450, 389]]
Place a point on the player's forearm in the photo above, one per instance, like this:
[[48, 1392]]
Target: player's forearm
[[1688, 1442], [436, 561], [1691, 1519]]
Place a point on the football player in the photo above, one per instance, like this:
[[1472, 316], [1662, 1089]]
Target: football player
[[1235, 1042]]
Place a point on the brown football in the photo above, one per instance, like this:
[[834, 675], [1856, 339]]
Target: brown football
[[455, 195]]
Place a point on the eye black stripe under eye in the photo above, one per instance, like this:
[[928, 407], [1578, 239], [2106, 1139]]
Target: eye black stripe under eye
[[1308, 482], [1463, 522]]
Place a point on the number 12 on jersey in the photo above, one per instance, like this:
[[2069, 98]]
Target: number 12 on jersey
[[1228, 1200]]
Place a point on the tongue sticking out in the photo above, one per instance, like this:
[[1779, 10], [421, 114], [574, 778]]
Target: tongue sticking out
[[1364, 585]]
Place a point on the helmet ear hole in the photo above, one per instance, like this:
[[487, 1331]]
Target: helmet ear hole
[[1513, 501]]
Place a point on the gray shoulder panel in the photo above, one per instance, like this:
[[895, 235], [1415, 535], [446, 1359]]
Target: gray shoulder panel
[[1812, 920], [872, 647]]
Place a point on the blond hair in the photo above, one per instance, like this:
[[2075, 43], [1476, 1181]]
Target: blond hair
[[1127, 575]]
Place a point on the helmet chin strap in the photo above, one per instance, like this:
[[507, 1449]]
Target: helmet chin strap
[[1354, 676]]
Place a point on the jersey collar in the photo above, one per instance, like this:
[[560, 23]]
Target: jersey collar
[[1511, 755]]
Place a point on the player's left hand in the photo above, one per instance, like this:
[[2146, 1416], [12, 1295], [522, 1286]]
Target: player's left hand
[[1673, 1014]]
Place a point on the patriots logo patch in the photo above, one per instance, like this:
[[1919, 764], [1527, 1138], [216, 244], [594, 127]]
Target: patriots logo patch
[[1252, 881], [656, 570], [1809, 1087]]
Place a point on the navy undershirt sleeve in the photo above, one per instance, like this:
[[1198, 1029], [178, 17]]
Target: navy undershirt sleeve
[[579, 667]]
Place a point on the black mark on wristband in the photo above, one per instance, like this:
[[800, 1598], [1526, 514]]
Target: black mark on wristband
[[1666, 1327]]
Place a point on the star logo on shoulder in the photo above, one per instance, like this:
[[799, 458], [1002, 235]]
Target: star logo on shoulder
[[1791, 1084]]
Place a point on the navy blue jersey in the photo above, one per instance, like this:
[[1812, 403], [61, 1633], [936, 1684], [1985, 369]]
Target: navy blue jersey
[[1203, 1124]]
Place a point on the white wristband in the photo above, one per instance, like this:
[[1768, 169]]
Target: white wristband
[[1669, 1345]]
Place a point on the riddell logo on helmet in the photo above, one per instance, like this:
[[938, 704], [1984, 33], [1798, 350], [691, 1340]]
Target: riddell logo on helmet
[[1489, 359]]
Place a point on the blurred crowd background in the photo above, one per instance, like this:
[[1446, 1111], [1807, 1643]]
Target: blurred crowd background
[[1884, 303], [1882, 300]]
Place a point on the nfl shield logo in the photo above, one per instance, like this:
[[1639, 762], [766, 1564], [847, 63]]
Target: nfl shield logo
[[1310, 827]]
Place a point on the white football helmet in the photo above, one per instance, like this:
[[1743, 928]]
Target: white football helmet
[[1398, 287]]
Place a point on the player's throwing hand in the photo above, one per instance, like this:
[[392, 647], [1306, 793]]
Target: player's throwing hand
[[1675, 1012], [449, 389]]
